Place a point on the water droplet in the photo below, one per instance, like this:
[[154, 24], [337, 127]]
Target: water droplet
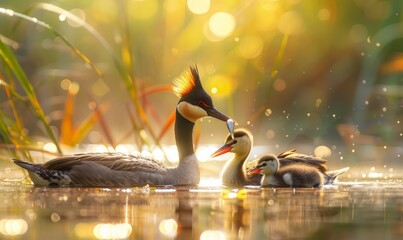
[[341, 158], [384, 109], [334, 115], [366, 102], [385, 89], [384, 147], [62, 17], [270, 134], [378, 44], [55, 217], [248, 122], [308, 114], [322, 151], [362, 54], [353, 150], [214, 90], [268, 112], [372, 169]]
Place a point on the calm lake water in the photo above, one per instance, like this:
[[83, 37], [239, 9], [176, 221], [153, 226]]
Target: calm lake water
[[346, 210], [366, 203]]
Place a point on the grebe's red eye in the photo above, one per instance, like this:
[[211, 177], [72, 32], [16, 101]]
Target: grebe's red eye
[[203, 103]]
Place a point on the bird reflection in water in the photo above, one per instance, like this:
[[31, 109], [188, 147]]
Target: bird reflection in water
[[197, 213]]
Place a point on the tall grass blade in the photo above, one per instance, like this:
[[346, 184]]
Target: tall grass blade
[[11, 62], [66, 128], [155, 89], [280, 55], [120, 66], [99, 112], [169, 122]]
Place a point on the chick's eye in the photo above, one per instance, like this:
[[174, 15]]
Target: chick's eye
[[264, 164], [203, 103]]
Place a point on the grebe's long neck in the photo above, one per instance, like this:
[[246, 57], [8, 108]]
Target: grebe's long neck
[[187, 172], [183, 136]]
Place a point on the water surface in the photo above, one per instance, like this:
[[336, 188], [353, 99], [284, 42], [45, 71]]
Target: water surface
[[347, 210]]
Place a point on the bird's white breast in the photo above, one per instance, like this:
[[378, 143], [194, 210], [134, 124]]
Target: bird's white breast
[[269, 180], [288, 179]]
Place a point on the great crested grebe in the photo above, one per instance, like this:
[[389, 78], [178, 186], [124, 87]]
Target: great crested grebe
[[121, 170], [235, 170], [297, 174]]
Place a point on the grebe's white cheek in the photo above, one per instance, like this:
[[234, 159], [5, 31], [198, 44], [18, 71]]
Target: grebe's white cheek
[[191, 112]]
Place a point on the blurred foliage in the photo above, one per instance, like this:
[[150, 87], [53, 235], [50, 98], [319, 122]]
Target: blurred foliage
[[292, 70]]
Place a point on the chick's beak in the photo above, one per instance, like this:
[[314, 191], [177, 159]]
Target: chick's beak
[[254, 171], [224, 149]]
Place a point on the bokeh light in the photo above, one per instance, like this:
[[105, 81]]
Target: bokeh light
[[250, 46], [65, 84], [112, 231], [50, 147], [221, 24], [324, 14], [279, 85], [221, 85], [13, 227], [74, 88], [198, 6], [290, 23], [212, 234], [168, 227], [323, 152], [204, 152]]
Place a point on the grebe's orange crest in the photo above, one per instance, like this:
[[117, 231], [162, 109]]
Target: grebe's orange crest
[[186, 82]]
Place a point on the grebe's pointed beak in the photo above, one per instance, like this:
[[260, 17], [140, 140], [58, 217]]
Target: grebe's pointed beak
[[213, 112], [224, 149]]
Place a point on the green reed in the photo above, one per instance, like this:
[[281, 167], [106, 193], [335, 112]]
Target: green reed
[[12, 77]]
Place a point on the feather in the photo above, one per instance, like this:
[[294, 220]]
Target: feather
[[186, 82]]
